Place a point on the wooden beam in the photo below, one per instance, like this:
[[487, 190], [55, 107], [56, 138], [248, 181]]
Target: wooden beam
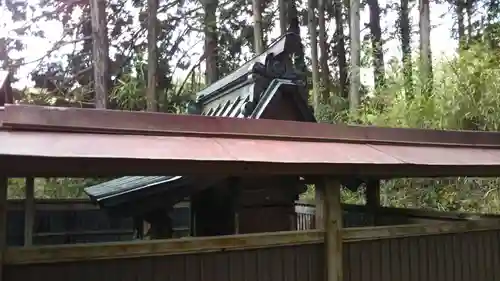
[[29, 211], [399, 231], [373, 199], [333, 230], [4, 183], [134, 249]]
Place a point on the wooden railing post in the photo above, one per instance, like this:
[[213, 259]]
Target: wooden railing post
[[333, 230], [373, 199], [319, 201], [3, 221], [29, 211]]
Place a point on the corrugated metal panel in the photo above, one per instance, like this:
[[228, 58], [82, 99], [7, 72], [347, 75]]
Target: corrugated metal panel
[[229, 105], [125, 184]]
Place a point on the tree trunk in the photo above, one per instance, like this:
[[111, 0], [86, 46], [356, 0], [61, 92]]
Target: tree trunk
[[323, 48], [377, 45], [100, 49], [4, 54], [293, 20], [151, 98], [210, 28], [283, 19], [460, 5], [469, 8], [314, 53], [257, 27], [355, 86], [405, 32], [425, 47], [340, 48]]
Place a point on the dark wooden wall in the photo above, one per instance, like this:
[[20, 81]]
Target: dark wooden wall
[[77, 221], [445, 257], [438, 257], [291, 263]]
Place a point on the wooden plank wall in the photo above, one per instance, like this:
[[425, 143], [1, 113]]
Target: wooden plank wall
[[65, 222], [291, 263], [443, 257], [445, 252], [77, 221]]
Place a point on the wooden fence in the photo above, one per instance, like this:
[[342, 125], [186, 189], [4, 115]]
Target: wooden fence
[[449, 251], [78, 221], [358, 216]]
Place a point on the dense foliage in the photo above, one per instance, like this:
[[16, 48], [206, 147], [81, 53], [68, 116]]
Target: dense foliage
[[463, 94]]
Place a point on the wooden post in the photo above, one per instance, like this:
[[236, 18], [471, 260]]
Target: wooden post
[[29, 211], [373, 199], [234, 185], [3, 220], [319, 210], [236, 222], [333, 230]]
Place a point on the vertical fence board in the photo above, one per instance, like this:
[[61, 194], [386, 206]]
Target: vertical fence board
[[495, 249]]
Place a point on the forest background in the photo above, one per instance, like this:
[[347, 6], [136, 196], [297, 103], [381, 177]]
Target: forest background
[[369, 62]]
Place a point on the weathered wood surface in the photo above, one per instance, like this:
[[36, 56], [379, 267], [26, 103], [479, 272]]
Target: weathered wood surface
[[79, 221], [4, 183], [293, 263], [121, 250], [363, 215], [441, 254], [439, 257], [333, 230], [64, 224], [29, 211]]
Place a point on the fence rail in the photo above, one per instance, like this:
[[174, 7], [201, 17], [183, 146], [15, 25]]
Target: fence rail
[[80, 221], [447, 251]]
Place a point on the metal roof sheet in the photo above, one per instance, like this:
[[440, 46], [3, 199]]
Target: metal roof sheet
[[229, 105], [48, 153], [117, 186], [17, 117]]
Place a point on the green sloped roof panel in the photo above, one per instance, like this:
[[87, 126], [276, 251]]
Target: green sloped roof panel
[[123, 185]]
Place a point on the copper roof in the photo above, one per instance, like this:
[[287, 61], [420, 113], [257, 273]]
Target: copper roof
[[27, 117], [81, 142]]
